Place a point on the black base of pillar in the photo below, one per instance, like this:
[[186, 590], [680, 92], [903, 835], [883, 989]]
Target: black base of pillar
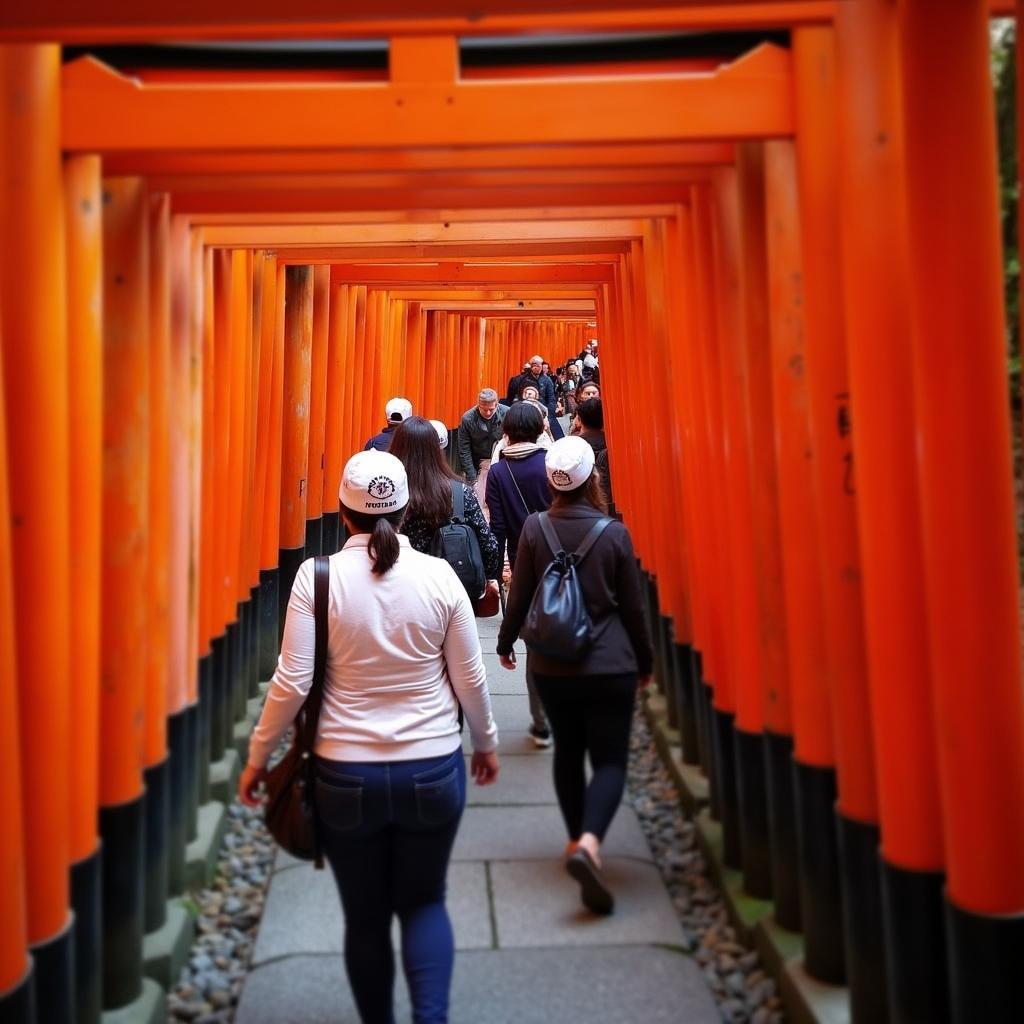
[[252, 650], [683, 656], [331, 532], [289, 560], [704, 731], [820, 897], [219, 697], [192, 767], [917, 969], [778, 756], [724, 768], [87, 903], [985, 954], [204, 731], [755, 834], [861, 881], [177, 800], [157, 779], [18, 1006], [236, 670], [123, 831], [669, 682], [268, 642], [55, 976], [314, 537]]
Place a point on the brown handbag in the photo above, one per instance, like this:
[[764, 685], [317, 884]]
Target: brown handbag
[[487, 603], [289, 812]]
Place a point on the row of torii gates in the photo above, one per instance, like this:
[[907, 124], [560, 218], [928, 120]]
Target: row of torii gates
[[211, 282]]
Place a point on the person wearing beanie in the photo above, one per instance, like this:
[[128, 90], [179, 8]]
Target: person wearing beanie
[[588, 702], [396, 411], [402, 655]]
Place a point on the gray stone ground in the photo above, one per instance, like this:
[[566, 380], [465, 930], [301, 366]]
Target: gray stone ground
[[526, 950]]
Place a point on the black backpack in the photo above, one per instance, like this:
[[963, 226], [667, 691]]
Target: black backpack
[[457, 544], [557, 623]]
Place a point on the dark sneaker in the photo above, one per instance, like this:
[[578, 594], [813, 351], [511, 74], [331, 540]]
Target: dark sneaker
[[541, 736], [595, 894]]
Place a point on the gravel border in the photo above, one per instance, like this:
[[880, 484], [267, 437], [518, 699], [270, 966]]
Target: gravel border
[[744, 992]]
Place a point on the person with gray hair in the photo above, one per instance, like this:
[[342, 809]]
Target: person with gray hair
[[479, 430]]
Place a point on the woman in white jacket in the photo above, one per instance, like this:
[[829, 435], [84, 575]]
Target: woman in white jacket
[[403, 654]]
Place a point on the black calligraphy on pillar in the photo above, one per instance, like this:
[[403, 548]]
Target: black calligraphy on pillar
[[844, 427]]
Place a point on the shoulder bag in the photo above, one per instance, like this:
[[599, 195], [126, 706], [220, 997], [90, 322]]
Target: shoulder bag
[[289, 811]]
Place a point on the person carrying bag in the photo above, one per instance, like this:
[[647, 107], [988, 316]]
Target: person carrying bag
[[589, 699]]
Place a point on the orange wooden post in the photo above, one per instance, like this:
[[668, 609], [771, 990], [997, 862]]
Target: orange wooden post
[[767, 533], [837, 538], [270, 535], [967, 506], [875, 265], [158, 535], [84, 233], [298, 344], [17, 992], [32, 297], [338, 370], [318, 409], [125, 614], [810, 671]]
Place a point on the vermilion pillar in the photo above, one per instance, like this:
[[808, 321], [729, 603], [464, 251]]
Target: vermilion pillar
[[125, 586], [883, 474], [317, 409], [298, 345], [837, 539], [338, 380], [968, 529], [84, 230], [32, 297]]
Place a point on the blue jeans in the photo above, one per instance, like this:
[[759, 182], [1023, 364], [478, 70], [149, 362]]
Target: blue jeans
[[387, 831]]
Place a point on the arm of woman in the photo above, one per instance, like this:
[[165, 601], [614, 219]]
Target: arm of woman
[[488, 542], [492, 496], [630, 599], [524, 583], [466, 671]]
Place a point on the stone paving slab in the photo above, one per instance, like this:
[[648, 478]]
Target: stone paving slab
[[613, 985], [511, 712], [303, 912], [537, 833], [524, 779], [536, 904], [510, 741]]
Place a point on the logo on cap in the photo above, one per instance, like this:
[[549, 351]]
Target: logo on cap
[[382, 487], [560, 477]]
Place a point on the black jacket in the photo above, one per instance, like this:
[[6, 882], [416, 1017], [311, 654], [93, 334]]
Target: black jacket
[[476, 438], [611, 588], [595, 438]]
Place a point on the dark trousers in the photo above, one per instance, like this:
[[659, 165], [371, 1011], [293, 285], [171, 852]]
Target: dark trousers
[[589, 715], [388, 830]]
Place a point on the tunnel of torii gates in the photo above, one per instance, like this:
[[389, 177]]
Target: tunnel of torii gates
[[210, 284]]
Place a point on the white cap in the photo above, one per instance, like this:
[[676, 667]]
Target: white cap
[[374, 482], [442, 432], [569, 463], [398, 409]]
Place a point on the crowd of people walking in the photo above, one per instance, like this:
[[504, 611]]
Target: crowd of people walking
[[403, 667]]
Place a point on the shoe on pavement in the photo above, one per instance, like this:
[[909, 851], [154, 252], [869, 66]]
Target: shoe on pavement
[[541, 736], [595, 894]]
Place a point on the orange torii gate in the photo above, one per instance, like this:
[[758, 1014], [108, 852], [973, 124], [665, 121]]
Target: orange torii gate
[[790, 298]]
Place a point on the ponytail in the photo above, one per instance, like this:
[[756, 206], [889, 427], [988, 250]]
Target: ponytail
[[383, 546]]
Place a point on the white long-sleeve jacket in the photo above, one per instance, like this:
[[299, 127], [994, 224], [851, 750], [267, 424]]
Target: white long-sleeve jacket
[[399, 648]]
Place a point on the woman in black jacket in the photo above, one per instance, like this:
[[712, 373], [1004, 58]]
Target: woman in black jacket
[[590, 702]]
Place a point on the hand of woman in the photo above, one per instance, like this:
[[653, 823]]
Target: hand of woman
[[644, 681], [484, 768], [508, 660], [248, 783]]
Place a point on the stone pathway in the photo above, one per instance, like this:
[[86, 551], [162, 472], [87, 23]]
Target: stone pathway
[[528, 953]]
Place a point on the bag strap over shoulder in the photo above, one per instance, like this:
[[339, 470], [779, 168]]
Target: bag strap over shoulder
[[583, 550], [315, 698], [458, 501]]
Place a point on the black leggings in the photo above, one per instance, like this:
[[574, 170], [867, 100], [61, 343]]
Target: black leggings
[[589, 715]]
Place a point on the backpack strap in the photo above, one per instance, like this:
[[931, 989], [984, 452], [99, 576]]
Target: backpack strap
[[458, 502], [315, 697], [549, 534]]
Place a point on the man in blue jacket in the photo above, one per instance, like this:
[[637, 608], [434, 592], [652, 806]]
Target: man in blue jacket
[[546, 388], [397, 410]]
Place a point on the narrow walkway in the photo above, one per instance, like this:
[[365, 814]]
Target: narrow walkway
[[527, 952]]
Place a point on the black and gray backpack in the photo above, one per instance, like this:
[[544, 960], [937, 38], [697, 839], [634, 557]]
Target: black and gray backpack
[[456, 542]]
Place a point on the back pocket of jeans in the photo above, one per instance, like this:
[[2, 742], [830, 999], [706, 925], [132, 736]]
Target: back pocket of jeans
[[339, 808], [438, 802]]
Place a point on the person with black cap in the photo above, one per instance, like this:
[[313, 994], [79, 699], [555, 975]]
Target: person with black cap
[[402, 655], [589, 703], [396, 411]]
